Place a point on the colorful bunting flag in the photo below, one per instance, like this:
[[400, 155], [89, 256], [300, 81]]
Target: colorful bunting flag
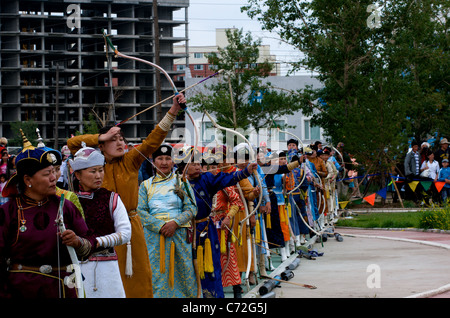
[[382, 193], [439, 185], [370, 199], [413, 185], [426, 184], [343, 204]]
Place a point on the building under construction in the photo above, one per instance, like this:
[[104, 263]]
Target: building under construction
[[55, 69]]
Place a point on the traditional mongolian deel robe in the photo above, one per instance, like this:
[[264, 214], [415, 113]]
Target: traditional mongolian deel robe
[[121, 176], [299, 200], [263, 247], [294, 218], [173, 273], [224, 201], [282, 209], [277, 230], [242, 249], [330, 186], [107, 219], [71, 196], [38, 245], [273, 225], [321, 171], [205, 187], [313, 192]]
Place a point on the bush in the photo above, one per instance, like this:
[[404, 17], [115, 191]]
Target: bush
[[438, 218]]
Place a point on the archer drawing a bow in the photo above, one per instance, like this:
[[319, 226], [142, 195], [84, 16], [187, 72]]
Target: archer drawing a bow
[[174, 88]]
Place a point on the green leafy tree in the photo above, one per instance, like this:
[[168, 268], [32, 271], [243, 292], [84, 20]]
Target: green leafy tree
[[382, 84], [233, 98], [90, 126]]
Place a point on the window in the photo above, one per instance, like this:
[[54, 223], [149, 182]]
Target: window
[[280, 124], [198, 67], [311, 132], [181, 67], [198, 55], [208, 132]]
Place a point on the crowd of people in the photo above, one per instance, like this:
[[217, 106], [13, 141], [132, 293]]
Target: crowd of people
[[154, 221], [422, 164]]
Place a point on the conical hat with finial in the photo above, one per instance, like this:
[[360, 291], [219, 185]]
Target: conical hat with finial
[[28, 162], [42, 146], [26, 143], [40, 140]]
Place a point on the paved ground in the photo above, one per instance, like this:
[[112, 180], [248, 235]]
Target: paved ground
[[372, 264]]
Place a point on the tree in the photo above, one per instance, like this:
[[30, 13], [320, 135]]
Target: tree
[[233, 99], [90, 126], [29, 130], [382, 85]]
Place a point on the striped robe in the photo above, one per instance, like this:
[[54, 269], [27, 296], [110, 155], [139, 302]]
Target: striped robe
[[222, 202]]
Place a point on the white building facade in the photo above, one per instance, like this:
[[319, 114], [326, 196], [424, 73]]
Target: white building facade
[[275, 140]]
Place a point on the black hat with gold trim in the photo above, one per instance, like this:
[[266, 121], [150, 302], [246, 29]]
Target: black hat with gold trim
[[29, 161], [163, 150]]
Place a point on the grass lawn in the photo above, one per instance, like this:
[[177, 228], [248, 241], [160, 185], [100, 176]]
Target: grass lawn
[[383, 220]]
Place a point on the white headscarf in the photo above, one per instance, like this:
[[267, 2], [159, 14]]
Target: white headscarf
[[86, 157]]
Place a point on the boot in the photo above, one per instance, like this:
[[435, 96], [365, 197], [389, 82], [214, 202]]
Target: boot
[[291, 245], [283, 254], [269, 261], [287, 249], [251, 278], [262, 265], [321, 221], [297, 242], [237, 291], [302, 239]]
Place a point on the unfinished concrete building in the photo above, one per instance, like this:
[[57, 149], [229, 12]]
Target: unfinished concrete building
[[53, 62]]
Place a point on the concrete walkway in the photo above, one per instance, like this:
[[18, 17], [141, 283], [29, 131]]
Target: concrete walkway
[[371, 264]]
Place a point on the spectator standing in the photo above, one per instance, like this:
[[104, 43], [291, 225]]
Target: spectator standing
[[412, 169], [4, 160], [429, 170], [444, 176], [432, 166], [3, 142], [424, 149], [443, 152], [3, 181], [412, 162]]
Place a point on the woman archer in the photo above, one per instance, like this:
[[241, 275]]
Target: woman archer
[[121, 176]]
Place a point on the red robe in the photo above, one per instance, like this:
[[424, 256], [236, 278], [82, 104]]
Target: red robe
[[224, 199], [38, 245]]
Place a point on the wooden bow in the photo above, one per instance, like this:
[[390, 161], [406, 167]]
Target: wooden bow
[[78, 282]]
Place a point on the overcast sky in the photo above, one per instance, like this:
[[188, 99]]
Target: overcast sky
[[207, 15]]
